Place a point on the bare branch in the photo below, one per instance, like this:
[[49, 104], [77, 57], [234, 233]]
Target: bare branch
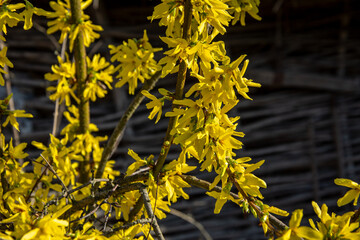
[[150, 212]]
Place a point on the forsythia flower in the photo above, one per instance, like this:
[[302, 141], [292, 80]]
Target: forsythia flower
[[240, 7], [4, 61], [63, 23], [296, 232], [11, 115], [99, 77], [9, 16], [352, 194], [65, 74], [211, 12], [332, 226], [170, 13], [156, 105], [136, 58]]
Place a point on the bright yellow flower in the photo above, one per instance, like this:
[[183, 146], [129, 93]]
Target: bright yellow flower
[[297, 232], [170, 13], [138, 162], [352, 194], [136, 62], [333, 226], [65, 74], [211, 12], [99, 77], [156, 105], [63, 23]]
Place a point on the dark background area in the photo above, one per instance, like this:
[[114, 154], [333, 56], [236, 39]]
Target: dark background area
[[304, 121]]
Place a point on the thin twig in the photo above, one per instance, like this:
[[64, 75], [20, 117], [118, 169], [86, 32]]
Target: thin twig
[[59, 108], [36, 183], [57, 176], [98, 206], [54, 201], [49, 36], [192, 221], [150, 212]]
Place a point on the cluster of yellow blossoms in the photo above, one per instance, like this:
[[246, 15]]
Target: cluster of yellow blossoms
[[40, 204]]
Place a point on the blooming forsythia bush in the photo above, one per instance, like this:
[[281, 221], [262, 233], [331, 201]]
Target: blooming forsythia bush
[[73, 180]]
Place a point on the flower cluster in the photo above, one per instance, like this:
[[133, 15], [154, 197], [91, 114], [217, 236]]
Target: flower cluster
[[203, 128], [63, 22], [10, 15], [136, 62], [99, 78]]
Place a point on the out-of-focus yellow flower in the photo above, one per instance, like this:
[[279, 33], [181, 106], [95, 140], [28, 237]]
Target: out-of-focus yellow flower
[[239, 8], [136, 62], [11, 115], [4, 61]]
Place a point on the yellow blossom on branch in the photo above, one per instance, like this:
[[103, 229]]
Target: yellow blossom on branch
[[239, 8], [136, 62], [99, 73], [352, 194], [63, 22], [297, 232]]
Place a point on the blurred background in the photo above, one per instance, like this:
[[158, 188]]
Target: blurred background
[[304, 120]]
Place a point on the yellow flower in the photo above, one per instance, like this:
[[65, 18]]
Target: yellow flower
[[352, 194], [136, 62], [333, 226], [11, 115], [49, 227], [63, 23], [28, 13], [4, 61], [170, 13], [138, 162], [297, 232], [240, 7], [155, 104], [99, 77], [9, 16], [211, 12], [65, 74]]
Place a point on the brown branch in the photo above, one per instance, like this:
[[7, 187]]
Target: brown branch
[[178, 92], [150, 213], [102, 194]]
